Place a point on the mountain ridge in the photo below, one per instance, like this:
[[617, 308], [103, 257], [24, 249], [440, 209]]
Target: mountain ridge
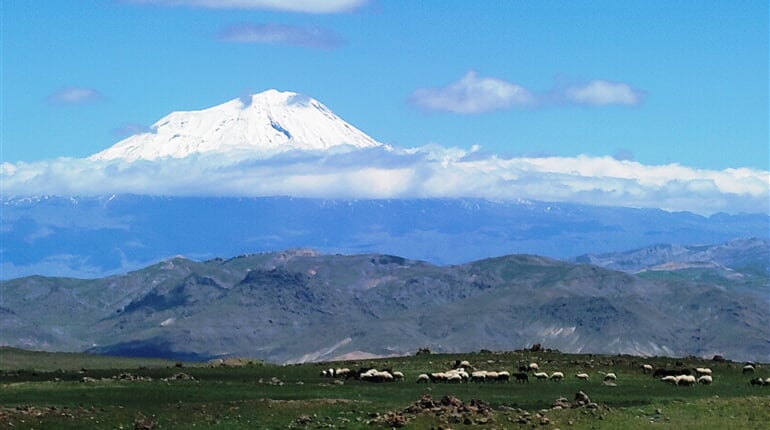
[[299, 305]]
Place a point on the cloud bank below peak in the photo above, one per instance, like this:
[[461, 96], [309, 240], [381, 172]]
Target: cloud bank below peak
[[432, 171], [474, 94]]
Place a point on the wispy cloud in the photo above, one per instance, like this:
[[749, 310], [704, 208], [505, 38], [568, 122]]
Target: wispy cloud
[[602, 93], [74, 96], [281, 34], [303, 6], [474, 94], [385, 172]]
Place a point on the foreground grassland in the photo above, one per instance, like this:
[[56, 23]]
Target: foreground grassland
[[72, 391]]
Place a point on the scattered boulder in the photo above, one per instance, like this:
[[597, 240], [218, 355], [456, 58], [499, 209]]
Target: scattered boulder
[[581, 399]]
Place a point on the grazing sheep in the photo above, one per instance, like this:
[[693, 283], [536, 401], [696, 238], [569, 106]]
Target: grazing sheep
[[533, 367], [583, 376], [438, 377], [757, 381], [557, 376], [541, 376], [705, 380], [686, 380], [341, 372], [479, 376], [503, 376], [398, 376], [749, 368], [767, 381], [454, 378], [461, 372], [647, 368], [703, 371], [670, 372], [491, 376], [374, 375], [465, 364], [669, 378], [610, 377], [423, 377], [521, 377]]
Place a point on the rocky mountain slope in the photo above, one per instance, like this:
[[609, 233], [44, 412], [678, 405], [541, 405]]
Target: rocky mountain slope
[[301, 305]]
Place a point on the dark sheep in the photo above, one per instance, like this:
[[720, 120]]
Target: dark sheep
[[659, 373], [521, 377]]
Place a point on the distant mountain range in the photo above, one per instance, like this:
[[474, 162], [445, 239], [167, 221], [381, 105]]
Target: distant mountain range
[[90, 237], [300, 305]]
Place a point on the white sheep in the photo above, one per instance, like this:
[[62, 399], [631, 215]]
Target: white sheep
[[479, 376], [439, 376], [465, 364], [647, 368], [610, 377], [557, 376], [541, 376], [670, 379], [423, 377], [686, 380], [705, 380], [703, 371], [398, 376], [533, 367], [748, 368], [504, 376], [583, 376], [454, 378], [375, 375]]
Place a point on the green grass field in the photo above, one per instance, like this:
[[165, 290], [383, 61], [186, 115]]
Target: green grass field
[[74, 391]]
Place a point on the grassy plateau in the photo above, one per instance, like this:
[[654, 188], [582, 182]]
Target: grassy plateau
[[75, 391]]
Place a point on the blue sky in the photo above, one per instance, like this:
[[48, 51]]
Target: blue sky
[[657, 83]]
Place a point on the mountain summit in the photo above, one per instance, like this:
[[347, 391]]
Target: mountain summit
[[268, 122]]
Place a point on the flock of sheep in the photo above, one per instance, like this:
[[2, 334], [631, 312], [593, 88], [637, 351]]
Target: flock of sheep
[[463, 371]]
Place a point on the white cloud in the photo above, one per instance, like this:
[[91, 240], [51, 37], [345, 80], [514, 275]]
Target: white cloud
[[304, 6], [280, 34], [472, 94], [431, 171], [602, 93], [74, 96]]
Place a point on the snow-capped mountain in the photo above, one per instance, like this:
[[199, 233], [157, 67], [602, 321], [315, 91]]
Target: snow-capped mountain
[[268, 122]]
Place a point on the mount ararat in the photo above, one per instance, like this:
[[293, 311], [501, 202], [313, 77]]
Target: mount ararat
[[264, 123]]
